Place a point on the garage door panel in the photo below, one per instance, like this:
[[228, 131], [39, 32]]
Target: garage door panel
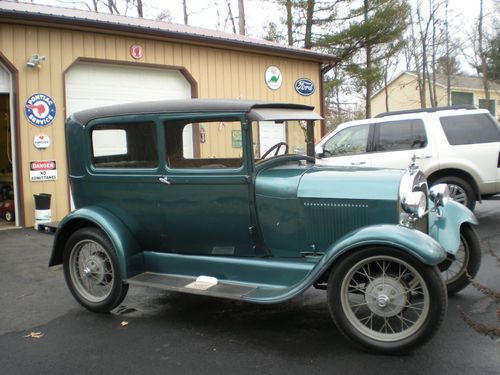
[[91, 85]]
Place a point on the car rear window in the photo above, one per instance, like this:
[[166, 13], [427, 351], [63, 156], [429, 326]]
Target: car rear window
[[126, 145], [470, 129], [400, 135]]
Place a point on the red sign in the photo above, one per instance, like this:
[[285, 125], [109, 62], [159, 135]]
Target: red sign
[[43, 170], [136, 51], [42, 165]]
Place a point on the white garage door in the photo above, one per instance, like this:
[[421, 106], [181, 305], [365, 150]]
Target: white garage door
[[4, 80], [90, 85]]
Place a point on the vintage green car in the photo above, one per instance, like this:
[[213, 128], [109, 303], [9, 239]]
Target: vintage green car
[[206, 197]]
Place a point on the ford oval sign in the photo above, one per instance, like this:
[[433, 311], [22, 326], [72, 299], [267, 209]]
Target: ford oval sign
[[304, 86]]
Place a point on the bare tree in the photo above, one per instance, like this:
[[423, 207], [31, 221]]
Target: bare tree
[[184, 9], [241, 16], [483, 57]]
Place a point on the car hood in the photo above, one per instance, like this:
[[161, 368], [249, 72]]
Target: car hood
[[329, 182]]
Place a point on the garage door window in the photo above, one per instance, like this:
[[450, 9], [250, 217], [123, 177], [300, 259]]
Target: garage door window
[[131, 145]]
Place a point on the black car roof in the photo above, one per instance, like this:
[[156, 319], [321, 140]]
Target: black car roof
[[179, 106]]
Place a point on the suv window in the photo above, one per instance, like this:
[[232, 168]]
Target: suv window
[[130, 145], [470, 129], [350, 141], [400, 135], [211, 143]]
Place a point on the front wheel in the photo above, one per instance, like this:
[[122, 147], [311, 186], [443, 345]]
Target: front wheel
[[386, 300], [92, 272], [457, 271]]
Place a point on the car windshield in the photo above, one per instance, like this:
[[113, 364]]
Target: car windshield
[[273, 138]]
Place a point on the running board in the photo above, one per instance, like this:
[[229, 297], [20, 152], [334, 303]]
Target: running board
[[204, 285]]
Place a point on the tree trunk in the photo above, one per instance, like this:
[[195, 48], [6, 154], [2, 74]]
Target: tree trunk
[[230, 15], [309, 23], [140, 12], [482, 56], [289, 21], [184, 9], [369, 86], [241, 16], [448, 59]]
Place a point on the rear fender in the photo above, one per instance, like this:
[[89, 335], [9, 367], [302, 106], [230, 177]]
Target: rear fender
[[129, 253]]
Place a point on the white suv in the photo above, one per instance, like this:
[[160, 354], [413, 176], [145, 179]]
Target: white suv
[[457, 146]]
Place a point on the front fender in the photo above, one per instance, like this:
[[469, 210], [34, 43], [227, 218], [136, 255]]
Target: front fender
[[129, 253], [445, 228], [418, 244]]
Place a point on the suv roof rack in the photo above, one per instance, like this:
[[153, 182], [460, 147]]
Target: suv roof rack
[[420, 110]]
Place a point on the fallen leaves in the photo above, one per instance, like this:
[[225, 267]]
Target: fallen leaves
[[35, 335]]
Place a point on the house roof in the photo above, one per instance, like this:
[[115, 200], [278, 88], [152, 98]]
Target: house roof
[[458, 82], [71, 18]]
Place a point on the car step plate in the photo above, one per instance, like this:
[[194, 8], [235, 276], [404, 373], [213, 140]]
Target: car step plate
[[203, 285]]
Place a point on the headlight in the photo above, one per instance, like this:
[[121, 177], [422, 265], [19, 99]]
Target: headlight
[[414, 203], [439, 194]]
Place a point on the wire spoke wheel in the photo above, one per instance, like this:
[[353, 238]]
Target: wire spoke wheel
[[386, 300], [456, 270], [459, 264], [91, 270], [390, 303]]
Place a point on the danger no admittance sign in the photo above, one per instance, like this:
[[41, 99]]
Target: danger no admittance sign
[[43, 170]]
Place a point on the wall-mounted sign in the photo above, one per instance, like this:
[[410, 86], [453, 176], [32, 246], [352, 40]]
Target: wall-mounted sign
[[136, 51], [41, 141], [304, 86], [43, 170], [273, 77], [40, 109], [236, 138]]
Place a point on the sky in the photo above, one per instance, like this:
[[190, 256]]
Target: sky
[[212, 13]]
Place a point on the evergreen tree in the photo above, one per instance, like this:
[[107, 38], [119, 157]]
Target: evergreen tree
[[373, 35]]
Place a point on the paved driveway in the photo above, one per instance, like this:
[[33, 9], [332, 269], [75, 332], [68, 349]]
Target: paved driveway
[[171, 333]]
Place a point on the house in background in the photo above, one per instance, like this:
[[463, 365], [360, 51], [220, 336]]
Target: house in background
[[403, 93]]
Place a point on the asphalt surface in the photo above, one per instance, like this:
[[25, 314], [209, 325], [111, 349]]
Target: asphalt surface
[[173, 333]]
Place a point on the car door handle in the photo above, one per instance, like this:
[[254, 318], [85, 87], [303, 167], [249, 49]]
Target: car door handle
[[360, 162], [165, 180], [423, 156]]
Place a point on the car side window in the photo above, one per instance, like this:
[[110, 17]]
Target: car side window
[[124, 145], [470, 129], [205, 144], [400, 135], [350, 141]]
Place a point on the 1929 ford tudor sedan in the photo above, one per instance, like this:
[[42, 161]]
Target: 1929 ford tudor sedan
[[204, 197]]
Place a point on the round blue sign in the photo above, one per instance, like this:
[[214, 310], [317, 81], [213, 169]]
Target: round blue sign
[[40, 110], [304, 86]]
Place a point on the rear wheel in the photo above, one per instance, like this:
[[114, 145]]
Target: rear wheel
[[92, 271], [456, 271], [460, 190], [386, 300]]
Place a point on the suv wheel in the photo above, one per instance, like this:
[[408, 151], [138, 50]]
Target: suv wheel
[[460, 190]]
